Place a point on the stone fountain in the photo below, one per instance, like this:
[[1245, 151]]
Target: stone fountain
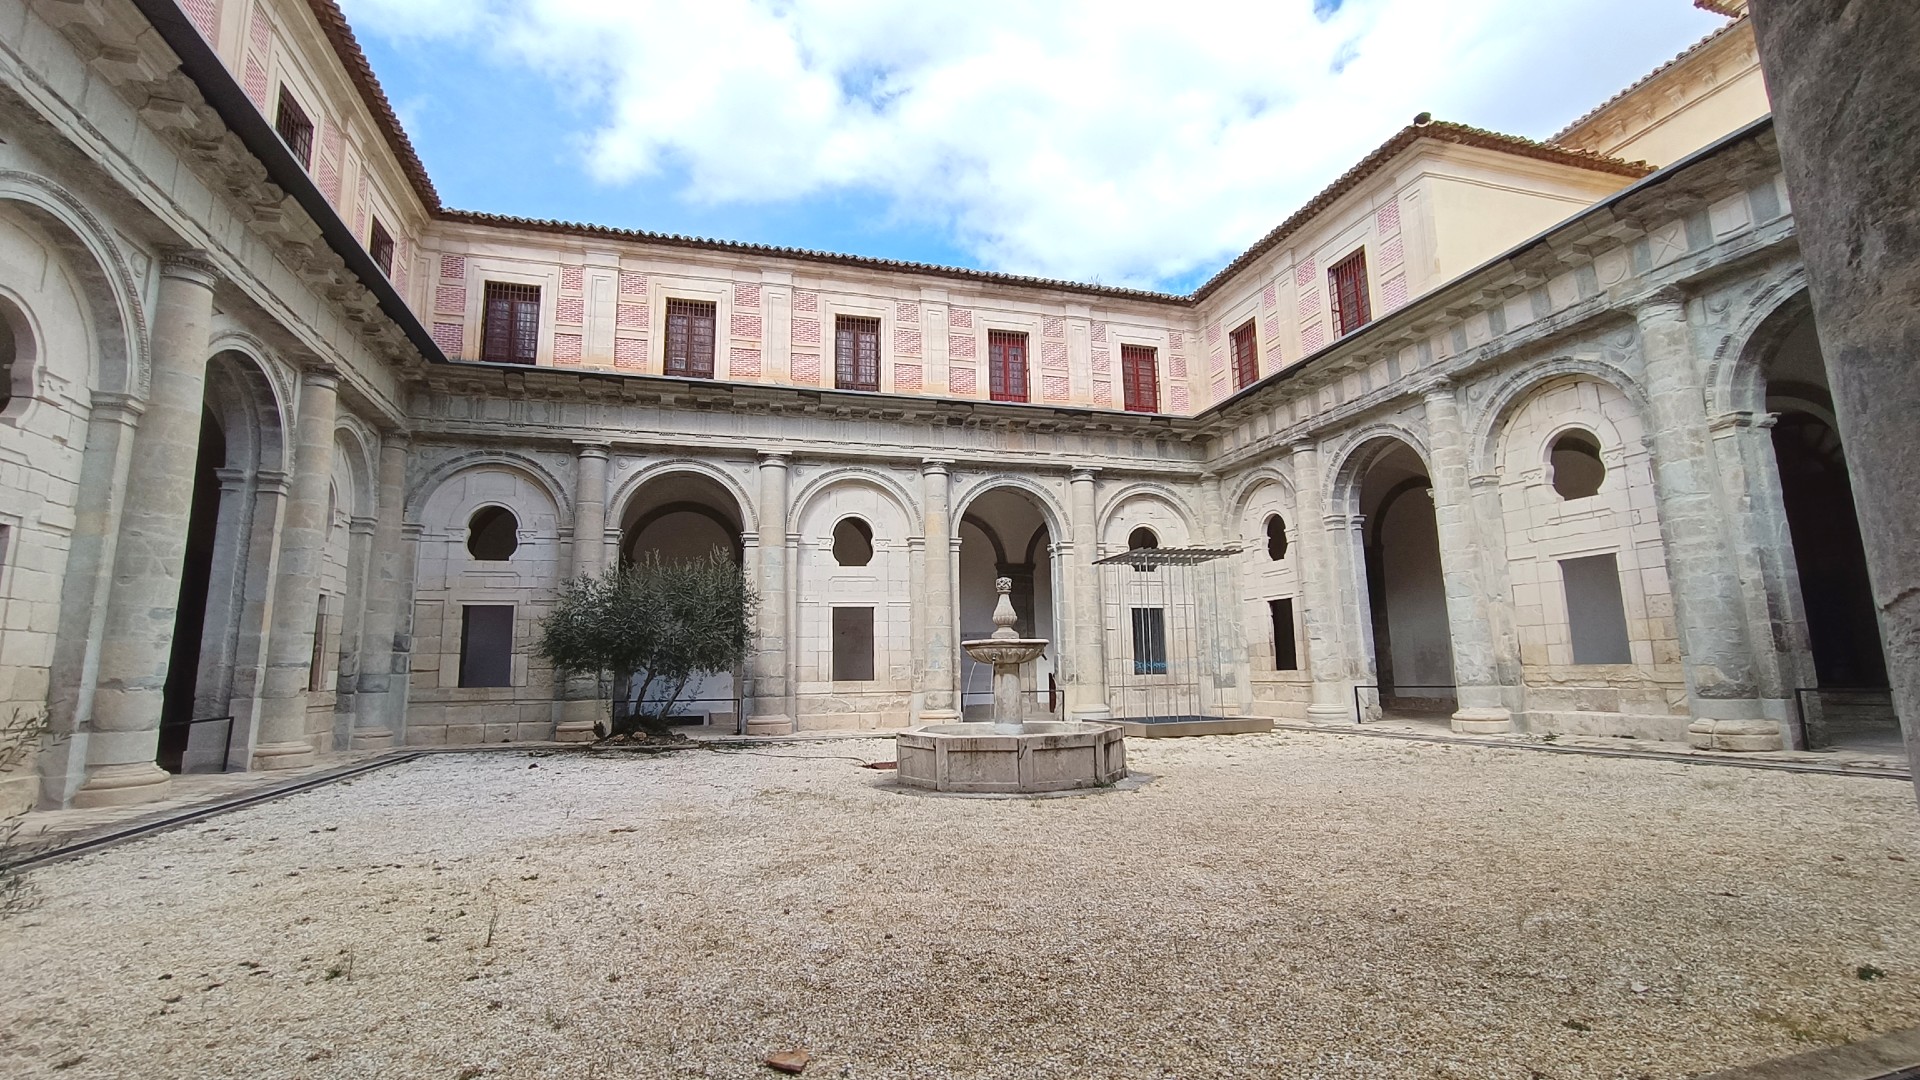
[[1010, 754]]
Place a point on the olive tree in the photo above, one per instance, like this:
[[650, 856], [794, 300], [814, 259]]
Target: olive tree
[[663, 623]]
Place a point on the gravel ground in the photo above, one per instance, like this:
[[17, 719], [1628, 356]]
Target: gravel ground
[[1284, 905]]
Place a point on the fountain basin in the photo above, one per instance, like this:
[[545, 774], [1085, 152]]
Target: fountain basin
[[1008, 759]]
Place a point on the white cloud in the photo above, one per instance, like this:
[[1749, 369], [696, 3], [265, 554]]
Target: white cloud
[[1121, 140]]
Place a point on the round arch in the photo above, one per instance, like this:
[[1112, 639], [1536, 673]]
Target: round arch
[[1051, 511], [108, 287], [350, 443], [420, 493], [1515, 390], [243, 398], [1147, 491], [823, 484], [621, 500], [1736, 379], [1249, 484], [1358, 451]]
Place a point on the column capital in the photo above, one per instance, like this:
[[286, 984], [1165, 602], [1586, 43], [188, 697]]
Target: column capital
[[1479, 481], [395, 440], [320, 375], [271, 481], [190, 265], [120, 408], [231, 478], [1668, 301], [1081, 474], [775, 459], [360, 526], [935, 466], [1440, 387], [593, 449]]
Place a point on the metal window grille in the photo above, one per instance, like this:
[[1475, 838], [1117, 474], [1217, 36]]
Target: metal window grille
[[510, 330], [856, 353], [1246, 358], [1149, 641], [294, 128], [690, 337], [1347, 280], [1006, 365], [1140, 378], [380, 246]]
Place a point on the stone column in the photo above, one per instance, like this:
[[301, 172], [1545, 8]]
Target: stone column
[[582, 708], [1490, 534], [1845, 84], [1482, 701], [1722, 696], [353, 629], [137, 633], [770, 711], [284, 742], [1087, 687], [940, 676], [373, 723], [1319, 596]]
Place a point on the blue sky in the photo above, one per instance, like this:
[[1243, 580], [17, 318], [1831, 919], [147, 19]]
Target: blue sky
[[1105, 141]]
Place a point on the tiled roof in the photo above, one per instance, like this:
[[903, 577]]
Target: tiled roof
[[334, 23], [1647, 78], [1421, 128]]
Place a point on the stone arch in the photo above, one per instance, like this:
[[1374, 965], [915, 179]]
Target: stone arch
[[1513, 392], [627, 487], [1248, 484], [251, 405], [1357, 451], [532, 469], [1736, 379], [352, 445], [821, 485], [108, 286], [1051, 509], [1115, 527]]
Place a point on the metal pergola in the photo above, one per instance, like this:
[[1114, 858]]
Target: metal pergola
[[1166, 642]]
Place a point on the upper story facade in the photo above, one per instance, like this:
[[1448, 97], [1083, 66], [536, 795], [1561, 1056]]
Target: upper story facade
[[1430, 204]]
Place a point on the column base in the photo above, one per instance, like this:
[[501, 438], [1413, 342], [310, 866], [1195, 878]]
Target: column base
[[287, 755], [1485, 721], [581, 714], [1736, 735], [123, 785], [770, 725], [371, 739], [1331, 715]]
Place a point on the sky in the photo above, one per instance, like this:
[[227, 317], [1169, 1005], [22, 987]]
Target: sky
[[1114, 141]]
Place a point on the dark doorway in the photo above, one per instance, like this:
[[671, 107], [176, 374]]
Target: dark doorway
[[1406, 594], [190, 616], [1827, 548]]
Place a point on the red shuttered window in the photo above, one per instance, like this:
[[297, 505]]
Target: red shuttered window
[[294, 128], [510, 328], [1246, 357], [1140, 378], [1006, 365], [690, 338], [856, 353], [1347, 284]]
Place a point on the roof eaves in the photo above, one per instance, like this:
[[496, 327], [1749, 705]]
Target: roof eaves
[[1595, 112], [333, 22]]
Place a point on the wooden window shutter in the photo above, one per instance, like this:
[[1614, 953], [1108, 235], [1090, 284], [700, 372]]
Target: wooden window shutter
[[690, 337], [1348, 278], [856, 353], [1246, 357], [1139, 378], [1006, 365], [510, 325]]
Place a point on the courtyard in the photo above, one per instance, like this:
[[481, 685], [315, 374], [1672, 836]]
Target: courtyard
[[1299, 905]]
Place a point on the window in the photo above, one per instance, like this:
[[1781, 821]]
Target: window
[[856, 353], [1596, 617], [9, 354], [380, 246], [1276, 537], [1006, 365], [690, 338], [1246, 357], [1286, 654], [317, 665], [510, 331], [486, 645], [295, 129], [1149, 641], [852, 543], [853, 644], [1139, 378], [1142, 539], [1347, 284], [493, 534], [1577, 468]]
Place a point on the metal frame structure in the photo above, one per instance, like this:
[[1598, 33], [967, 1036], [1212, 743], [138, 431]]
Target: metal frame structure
[[1167, 668]]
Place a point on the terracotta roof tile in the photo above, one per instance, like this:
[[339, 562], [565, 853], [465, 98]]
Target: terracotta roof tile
[[334, 23]]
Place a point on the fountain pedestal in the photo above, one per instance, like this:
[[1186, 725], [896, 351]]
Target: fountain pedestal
[[1010, 755]]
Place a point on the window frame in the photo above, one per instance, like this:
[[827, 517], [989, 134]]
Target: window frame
[[1000, 365], [850, 329], [1244, 350], [294, 126], [687, 363], [1137, 394], [466, 676], [839, 632], [1282, 613], [1149, 626], [522, 328], [1348, 292], [381, 247]]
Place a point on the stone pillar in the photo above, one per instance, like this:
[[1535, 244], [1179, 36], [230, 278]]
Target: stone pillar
[[1481, 699], [770, 710], [940, 674], [284, 742], [353, 629], [1319, 594], [137, 633], [1722, 696], [582, 707], [373, 711], [1490, 534], [1845, 83], [1087, 688]]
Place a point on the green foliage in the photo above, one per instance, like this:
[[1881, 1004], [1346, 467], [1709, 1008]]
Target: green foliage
[[665, 623]]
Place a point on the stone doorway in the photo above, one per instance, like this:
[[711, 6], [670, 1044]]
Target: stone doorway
[[1004, 533], [1406, 600]]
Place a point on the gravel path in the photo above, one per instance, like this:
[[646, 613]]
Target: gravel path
[[1284, 905]]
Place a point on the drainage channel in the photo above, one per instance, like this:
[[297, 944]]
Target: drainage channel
[[98, 841], [1871, 772]]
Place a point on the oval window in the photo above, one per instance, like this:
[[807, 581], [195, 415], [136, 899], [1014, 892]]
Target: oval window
[[493, 534], [1276, 538], [1577, 469], [852, 543]]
